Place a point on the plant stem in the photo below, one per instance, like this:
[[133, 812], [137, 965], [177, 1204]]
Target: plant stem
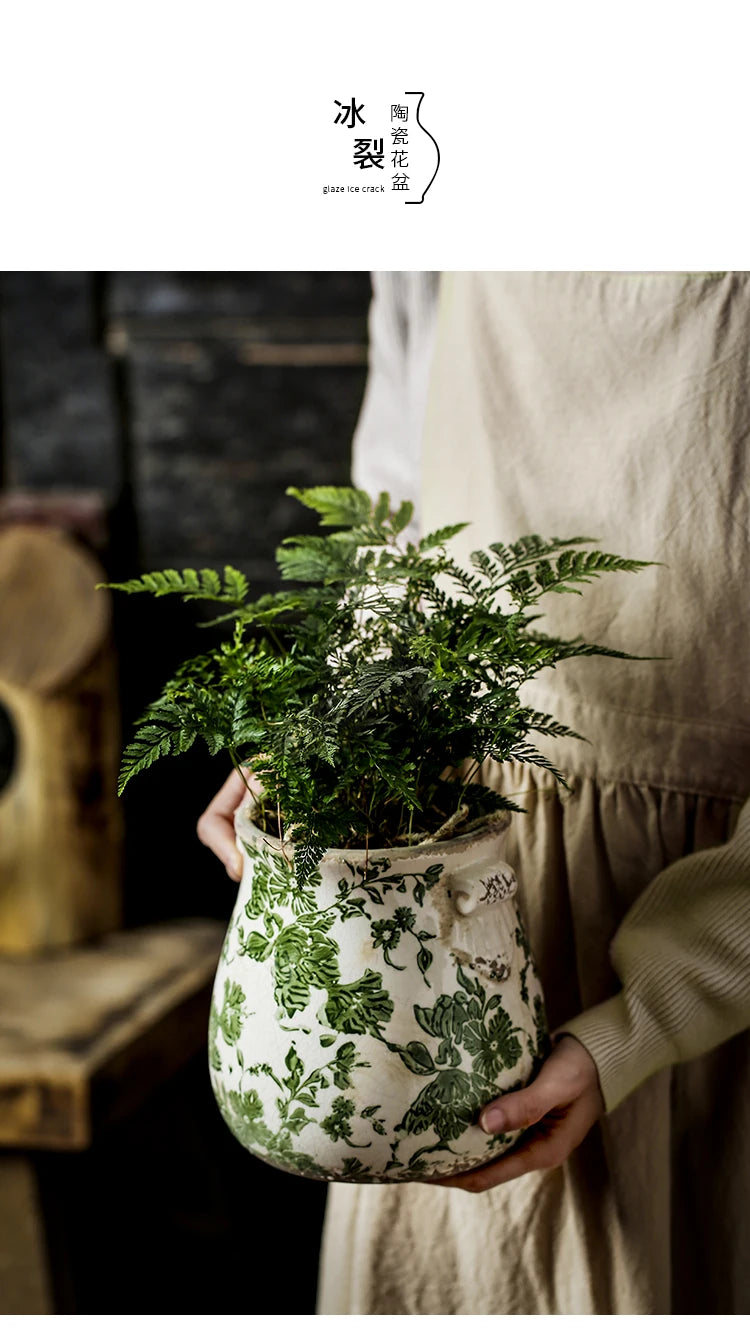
[[492, 817], [447, 828], [473, 770]]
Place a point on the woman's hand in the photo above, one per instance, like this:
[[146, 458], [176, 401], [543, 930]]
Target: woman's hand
[[559, 1106], [215, 828]]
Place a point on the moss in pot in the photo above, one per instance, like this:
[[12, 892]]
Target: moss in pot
[[376, 987]]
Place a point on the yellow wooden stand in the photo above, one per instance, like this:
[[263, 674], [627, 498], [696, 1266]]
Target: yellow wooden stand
[[60, 820]]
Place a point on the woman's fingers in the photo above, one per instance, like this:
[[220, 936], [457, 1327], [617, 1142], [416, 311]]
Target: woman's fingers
[[558, 1109], [215, 828], [518, 1110], [566, 1073], [548, 1145]]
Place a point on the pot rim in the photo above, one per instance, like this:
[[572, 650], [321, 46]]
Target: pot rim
[[448, 846]]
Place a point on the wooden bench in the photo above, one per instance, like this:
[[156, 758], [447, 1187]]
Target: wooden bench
[[86, 1035]]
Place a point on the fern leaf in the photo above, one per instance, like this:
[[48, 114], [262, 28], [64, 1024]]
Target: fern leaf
[[315, 559], [338, 506], [188, 584], [235, 584], [546, 725], [527, 550], [184, 739], [149, 744], [528, 754], [560, 650], [373, 683], [501, 553], [159, 583], [440, 536], [354, 693], [210, 583], [580, 567], [403, 516], [382, 508], [307, 854], [469, 584], [326, 748], [483, 565]]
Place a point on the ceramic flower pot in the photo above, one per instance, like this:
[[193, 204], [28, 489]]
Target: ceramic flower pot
[[358, 1025]]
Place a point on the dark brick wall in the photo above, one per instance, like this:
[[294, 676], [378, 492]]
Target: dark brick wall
[[189, 401], [60, 426]]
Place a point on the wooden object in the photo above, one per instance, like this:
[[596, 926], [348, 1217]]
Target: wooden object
[[87, 1033], [60, 820], [82, 513], [25, 1286], [86, 1036]]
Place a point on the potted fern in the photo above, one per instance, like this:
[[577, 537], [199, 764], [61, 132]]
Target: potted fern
[[376, 987]]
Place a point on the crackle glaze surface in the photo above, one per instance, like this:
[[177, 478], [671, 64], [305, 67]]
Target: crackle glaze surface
[[357, 1026]]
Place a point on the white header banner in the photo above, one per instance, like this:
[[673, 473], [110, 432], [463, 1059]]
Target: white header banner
[[238, 136]]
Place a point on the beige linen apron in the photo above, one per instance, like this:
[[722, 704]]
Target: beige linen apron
[[615, 406]]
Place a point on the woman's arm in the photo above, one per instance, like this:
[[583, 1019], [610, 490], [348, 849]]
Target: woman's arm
[[682, 954]]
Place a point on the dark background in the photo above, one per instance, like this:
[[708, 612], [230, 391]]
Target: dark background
[[189, 402]]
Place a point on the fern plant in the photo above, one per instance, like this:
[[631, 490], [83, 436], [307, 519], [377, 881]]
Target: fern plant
[[367, 696]]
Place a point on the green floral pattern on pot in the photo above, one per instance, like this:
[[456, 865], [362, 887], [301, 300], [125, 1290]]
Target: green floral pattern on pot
[[359, 1024]]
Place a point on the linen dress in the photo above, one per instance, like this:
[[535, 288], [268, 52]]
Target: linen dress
[[615, 406]]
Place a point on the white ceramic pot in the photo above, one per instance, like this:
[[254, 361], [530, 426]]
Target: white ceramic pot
[[359, 1025]]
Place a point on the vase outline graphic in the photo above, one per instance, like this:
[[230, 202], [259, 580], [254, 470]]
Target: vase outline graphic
[[420, 95]]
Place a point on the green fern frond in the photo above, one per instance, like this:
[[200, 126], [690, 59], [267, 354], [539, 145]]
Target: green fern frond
[[528, 754], [528, 550], [149, 744], [338, 506], [361, 697], [472, 586], [440, 536], [315, 559], [559, 650], [382, 509], [235, 584], [373, 683], [402, 517], [580, 567], [307, 855], [546, 725], [484, 566], [190, 584]]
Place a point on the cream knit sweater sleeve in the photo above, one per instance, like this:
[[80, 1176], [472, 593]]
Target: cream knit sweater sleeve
[[682, 952]]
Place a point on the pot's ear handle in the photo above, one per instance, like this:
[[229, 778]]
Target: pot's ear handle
[[494, 886], [481, 933]]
